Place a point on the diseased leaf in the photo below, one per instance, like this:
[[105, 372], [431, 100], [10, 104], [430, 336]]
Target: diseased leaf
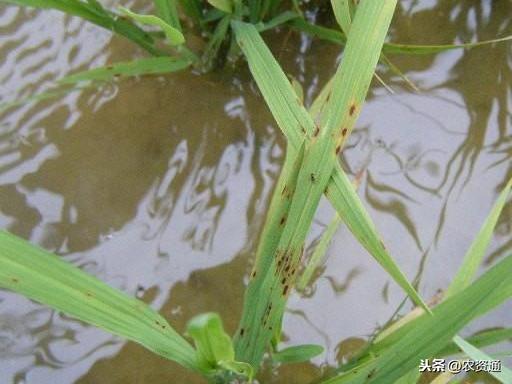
[[267, 292], [168, 12], [296, 124], [45, 278]]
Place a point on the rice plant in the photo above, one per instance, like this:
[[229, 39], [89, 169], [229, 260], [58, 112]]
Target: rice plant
[[315, 138]]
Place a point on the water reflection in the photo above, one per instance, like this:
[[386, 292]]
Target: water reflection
[[159, 186]]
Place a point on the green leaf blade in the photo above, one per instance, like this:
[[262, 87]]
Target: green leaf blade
[[504, 375], [45, 278], [174, 35], [476, 252], [427, 335], [145, 66], [297, 353]]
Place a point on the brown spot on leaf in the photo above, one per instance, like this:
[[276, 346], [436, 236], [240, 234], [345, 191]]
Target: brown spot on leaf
[[352, 109], [242, 331], [285, 290], [344, 132], [317, 131], [338, 149], [283, 220], [312, 176]]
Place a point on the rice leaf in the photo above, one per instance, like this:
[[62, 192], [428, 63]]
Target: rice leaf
[[168, 12], [94, 13], [410, 377], [297, 353], [223, 5], [263, 312], [174, 35], [318, 253], [476, 252], [282, 18], [45, 278], [265, 263], [443, 378], [296, 123], [337, 37], [239, 368], [398, 72], [342, 14], [138, 67], [212, 343], [418, 49], [481, 339], [212, 49], [343, 197], [427, 335], [193, 9], [504, 374]]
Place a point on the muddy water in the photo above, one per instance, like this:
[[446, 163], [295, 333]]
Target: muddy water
[[158, 186]]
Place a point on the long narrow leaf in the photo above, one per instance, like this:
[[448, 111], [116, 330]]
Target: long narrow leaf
[[263, 313], [43, 277], [296, 124], [174, 36], [95, 14], [168, 11], [337, 37], [503, 374], [342, 13], [427, 335], [476, 251], [146, 66]]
